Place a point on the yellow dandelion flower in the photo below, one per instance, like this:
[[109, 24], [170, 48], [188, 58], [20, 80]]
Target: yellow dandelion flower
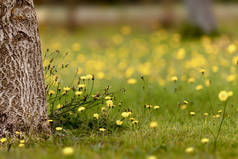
[[89, 77], [80, 109], [235, 60], [78, 93], [231, 48], [50, 120], [109, 103], [199, 87], [191, 80], [119, 122], [100, 75], [204, 140], [79, 71], [125, 114], [132, 119], [223, 96], [131, 81], [96, 115], [22, 141], [103, 109], [181, 54], [3, 140], [151, 157], [81, 86], [135, 122], [83, 77], [153, 124], [156, 107], [207, 83], [21, 145], [216, 116], [192, 113], [215, 69], [102, 129], [231, 78], [174, 78], [66, 89], [51, 92], [59, 106], [230, 93], [68, 151], [148, 106], [64, 92], [219, 111], [205, 114], [129, 72], [108, 98], [185, 102], [202, 71], [17, 132], [189, 150], [58, 128], [183, 107]]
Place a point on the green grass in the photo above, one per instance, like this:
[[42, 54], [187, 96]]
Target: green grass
[[177, 129]]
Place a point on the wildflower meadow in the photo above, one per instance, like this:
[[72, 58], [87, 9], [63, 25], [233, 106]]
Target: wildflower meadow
[[128, 92]]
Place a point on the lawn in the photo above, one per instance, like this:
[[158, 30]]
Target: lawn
[[163, 100]]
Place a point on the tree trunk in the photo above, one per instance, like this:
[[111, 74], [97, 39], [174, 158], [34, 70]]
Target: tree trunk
[[168, 17], [22, 91], [72, 18], [201, 14]]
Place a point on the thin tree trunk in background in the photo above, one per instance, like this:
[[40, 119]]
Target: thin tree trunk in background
[[201, 14], [22, 91], [72, 21], [168, 17]]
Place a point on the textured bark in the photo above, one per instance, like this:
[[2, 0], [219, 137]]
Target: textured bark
[[201, 14], [22, 92]]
